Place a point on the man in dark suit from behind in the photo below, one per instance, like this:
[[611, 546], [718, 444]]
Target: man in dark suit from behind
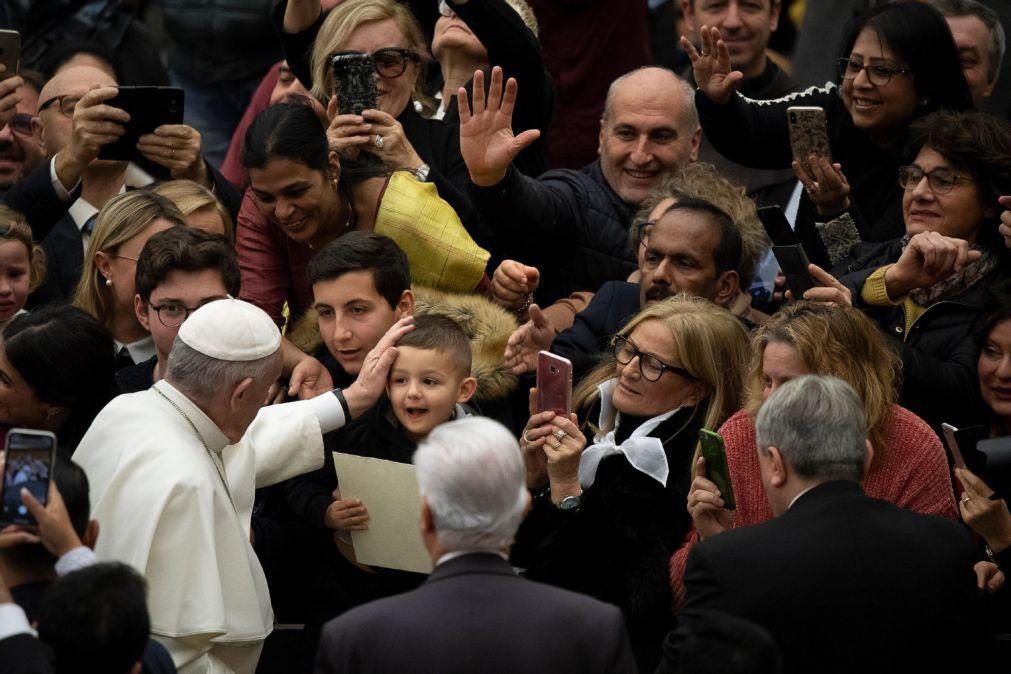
[[474, 614], [843, 582]]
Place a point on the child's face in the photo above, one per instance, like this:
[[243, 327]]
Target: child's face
[[424, 387], [15, 272]]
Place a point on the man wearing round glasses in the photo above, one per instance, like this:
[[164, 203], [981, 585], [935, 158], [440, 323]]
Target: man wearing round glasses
[[178, 271], [20, 149]]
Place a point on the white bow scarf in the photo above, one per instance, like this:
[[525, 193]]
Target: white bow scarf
[[646, 454]]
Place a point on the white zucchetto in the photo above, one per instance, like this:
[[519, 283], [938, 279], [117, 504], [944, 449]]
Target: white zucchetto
[[232, 330]]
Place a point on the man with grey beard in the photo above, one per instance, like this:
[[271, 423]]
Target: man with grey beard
[[687, 246]]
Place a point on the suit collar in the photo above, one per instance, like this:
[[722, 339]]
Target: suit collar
[[826, 491], [473, 563]]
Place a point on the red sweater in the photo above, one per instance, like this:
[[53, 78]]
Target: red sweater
[[912, 472]]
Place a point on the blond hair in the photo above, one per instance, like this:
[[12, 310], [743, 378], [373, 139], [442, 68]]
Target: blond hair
[[14, 227], [341, 23], [190, 197], [709, 341], [701, 180], [837, 341], [122, 218]]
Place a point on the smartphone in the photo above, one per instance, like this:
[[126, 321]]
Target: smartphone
[[788, 250], [354, 78], [717, 471], [554, 383], [149, 108], [31, 455], [10, 52], [808, 134], [962, 444]]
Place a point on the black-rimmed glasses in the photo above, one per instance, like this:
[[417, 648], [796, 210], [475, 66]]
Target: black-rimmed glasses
[[391, 62], [66, 102], [651, 367], [941, 180], [173, 314], [879, 75]]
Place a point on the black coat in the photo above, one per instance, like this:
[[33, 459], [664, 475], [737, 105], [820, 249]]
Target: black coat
[[939, 353], [617, 546], [583, 343], [846, 583], [474, 614], [569, 224]]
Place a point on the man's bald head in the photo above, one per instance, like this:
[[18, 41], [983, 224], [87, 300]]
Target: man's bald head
[[650, 128], [61, 93], [74, 81]]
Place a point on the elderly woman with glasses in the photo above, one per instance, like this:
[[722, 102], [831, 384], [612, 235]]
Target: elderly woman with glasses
[[925, 289], [898, 63], [609, 493]]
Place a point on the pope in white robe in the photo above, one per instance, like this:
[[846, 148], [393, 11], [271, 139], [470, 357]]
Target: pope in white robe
[[174, 496]]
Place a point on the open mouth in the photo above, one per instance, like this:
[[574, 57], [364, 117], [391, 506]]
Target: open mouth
[[640, 175], [861, 103], [415, 413], [348, 354]]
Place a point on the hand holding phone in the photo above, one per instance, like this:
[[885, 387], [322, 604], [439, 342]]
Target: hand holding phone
[[149, 108], [808, 135], [28, 464], [10, 53], [554, 384], [788, 250], [354, 76], [717, 471]]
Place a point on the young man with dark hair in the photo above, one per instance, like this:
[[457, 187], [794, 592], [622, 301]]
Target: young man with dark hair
[[178, 271], [361, 285]]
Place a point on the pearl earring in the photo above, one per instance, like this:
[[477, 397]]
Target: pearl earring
[[108, 282]]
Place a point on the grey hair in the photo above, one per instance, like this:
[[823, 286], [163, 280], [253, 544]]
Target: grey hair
[[472, 474], [201, 377], [692, 120], [818, 425], [998, 39]]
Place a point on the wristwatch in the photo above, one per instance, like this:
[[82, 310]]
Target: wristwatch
[[570, 503], [421, 173]]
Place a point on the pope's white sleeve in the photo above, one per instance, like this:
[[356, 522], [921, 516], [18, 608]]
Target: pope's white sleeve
[[287, 440]]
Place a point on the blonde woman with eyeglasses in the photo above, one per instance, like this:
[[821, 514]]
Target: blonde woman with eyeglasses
[[610, 485]]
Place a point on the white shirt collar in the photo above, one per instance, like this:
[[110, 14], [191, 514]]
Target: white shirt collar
[[799, 495], [81, 211], [141, 350], [473, 551]]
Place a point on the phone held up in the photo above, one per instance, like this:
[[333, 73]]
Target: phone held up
[[31, 455], [354, 77], [808, 135], [717, 471], [788, 250], [10, 52], [554, 384], [149, 108]]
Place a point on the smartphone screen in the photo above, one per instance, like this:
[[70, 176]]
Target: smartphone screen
[[808, 134], [554, 383], [29, 465], [149, 108], [717, 471]]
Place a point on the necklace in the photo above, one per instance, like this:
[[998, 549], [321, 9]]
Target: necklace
[[347, 223], [210, 454]]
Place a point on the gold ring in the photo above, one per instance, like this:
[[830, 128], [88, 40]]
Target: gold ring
[[966, 499]]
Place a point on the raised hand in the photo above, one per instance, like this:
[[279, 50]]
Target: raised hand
[[309, 379], [10, 96], [527, 341], [929, 257], [178, 148], [371, 381], [711, 66], [487, 142], [1005, 220], [513, 282]]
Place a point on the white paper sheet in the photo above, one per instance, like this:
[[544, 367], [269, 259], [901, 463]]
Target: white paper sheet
[[389, 491]]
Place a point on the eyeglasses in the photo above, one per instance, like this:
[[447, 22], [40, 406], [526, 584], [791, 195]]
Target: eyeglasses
[[21, 124], [67, 104], [651, 367], [941, 180], [392, 61], [878, 75], [642, 230], [126, 257], [445, 9], [173, 314]]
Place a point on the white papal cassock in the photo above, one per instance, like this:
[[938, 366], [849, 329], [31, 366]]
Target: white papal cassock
[[174, 501]]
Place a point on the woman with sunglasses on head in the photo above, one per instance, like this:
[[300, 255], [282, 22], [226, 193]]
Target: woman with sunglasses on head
[[925, 289], [899, 63], [909, 467], [609, 488]]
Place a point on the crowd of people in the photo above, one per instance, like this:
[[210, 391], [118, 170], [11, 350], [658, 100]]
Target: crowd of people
[[276, 281]]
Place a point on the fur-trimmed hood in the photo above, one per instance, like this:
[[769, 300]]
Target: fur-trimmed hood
[[486, 324]]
